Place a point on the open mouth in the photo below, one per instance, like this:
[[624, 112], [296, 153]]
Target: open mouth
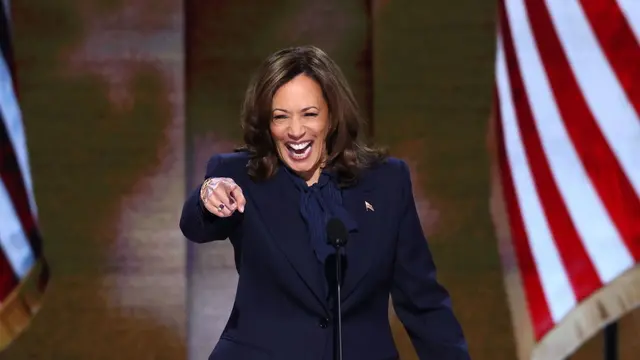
[[300, 150]]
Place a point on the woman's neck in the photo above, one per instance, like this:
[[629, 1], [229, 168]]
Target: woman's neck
[[311, 177]]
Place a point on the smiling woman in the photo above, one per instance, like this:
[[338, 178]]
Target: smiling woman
[[300, 110], [300, 125], [303, 165]]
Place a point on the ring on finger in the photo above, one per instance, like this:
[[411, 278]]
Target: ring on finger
[[221, 207]]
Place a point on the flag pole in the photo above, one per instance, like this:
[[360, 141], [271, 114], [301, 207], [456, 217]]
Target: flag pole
[[611, 341]]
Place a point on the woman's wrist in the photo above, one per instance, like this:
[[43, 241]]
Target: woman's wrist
[[206, 189]]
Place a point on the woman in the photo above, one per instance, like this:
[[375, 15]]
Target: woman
[[303, 164]]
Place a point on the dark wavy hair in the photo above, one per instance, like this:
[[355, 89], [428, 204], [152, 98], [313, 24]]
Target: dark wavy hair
[[347, 153]]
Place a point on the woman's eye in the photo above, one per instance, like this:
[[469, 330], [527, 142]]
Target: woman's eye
[[279, 117], [311, 114]]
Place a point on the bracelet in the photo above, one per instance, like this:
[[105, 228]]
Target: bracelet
[[203, 188]]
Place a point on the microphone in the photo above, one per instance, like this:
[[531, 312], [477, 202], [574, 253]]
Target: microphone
[[337, 236]]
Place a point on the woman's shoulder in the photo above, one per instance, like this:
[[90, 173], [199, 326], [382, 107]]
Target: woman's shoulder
[[390, 170], [239, 157], [231, 163], [389, 166]]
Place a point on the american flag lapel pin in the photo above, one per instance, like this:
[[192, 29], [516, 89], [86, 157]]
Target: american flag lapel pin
[[368, 206]]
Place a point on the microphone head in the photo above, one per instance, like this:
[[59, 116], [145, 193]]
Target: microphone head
[[337, 233]]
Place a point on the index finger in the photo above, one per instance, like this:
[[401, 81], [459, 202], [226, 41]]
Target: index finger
[[238, 196]]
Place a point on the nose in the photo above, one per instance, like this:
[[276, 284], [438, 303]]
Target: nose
[[296, 128]]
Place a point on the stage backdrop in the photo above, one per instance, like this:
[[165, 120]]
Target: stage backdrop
[[100, 86], [124, 101]]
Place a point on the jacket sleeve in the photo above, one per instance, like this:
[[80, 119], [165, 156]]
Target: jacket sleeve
[[196, 222], [421, 303]]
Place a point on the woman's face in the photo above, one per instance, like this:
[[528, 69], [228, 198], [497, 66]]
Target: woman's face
[[299, 126]]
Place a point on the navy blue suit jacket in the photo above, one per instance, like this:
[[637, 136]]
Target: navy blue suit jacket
[[280, 311]]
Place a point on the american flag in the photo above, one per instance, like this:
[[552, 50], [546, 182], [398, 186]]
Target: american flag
[[567, 127], [23, 272]]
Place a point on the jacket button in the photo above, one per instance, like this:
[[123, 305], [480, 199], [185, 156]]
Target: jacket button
[[323, 323]]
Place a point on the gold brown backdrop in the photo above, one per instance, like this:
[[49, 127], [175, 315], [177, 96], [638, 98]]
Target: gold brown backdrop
[[124, 101]]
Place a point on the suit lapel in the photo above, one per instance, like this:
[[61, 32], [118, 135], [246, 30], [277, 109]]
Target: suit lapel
[[278, 202], [360, 248]]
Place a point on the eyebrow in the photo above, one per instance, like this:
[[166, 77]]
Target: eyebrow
[[303, 110]]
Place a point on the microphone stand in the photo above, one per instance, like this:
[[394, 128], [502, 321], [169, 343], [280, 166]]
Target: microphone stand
[[337, 308], [337, 236]]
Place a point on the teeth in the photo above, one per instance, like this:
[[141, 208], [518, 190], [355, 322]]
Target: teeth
[[299, 146], [302, 156]]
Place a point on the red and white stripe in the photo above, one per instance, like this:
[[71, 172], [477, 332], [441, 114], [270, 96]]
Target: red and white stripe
[[17, 205], [568, 100]]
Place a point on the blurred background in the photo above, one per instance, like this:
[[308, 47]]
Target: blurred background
[[124, 101]]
